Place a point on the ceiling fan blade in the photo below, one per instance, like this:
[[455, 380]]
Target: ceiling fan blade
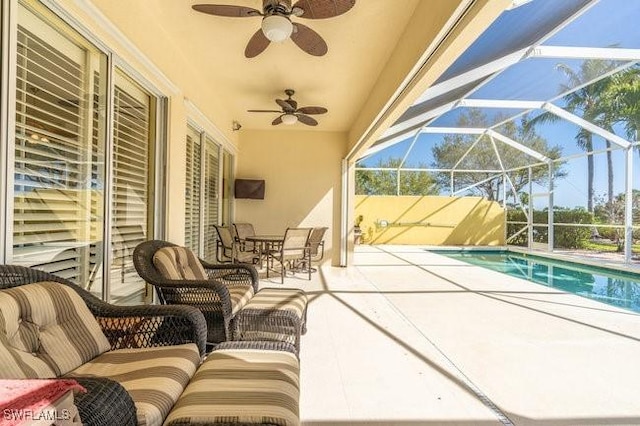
[[309, 40], [256, 45], [321, 9], [312, 110], [285, 105], [277, 121], [227, 10], [264, 110], [305, 119]]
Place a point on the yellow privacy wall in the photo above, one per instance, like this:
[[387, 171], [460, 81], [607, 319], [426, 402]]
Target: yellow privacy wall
[[431, 220]]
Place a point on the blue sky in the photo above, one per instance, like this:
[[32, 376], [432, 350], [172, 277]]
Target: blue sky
[[610, 23]]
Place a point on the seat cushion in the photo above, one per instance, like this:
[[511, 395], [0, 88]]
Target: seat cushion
[[46, 330], [240, 296], [243, 386], [273, 314], [289, 299], [154, 377], [179, 263]]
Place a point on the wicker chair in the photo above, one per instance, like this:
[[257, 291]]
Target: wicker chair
[[293, 251], [212, 296], [107, 402]]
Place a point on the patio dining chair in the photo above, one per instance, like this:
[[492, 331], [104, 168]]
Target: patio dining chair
[[227, 248], [316, 245], [293, 252], [242, 231]]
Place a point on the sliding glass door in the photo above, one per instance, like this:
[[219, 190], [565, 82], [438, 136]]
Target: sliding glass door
[[211, 199], [59, 163], [82, 169], [202, 193], [132, 206], [192, 191]]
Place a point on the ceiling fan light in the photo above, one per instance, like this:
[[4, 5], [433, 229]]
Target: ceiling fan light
[[289, 119], [277, 28]]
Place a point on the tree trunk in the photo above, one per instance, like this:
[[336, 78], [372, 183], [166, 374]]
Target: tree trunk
[[610, 175]]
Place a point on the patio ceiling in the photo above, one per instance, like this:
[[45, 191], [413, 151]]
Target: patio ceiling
[[509, 71], [211, 50]]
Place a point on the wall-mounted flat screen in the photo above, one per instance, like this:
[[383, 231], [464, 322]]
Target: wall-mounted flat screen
[[249, 188]]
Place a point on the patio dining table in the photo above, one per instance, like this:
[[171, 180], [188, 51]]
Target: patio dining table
[[265, 243]]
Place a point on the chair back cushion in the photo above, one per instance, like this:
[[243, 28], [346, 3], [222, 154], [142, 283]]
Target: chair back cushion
[[179, 263], [46, 330]]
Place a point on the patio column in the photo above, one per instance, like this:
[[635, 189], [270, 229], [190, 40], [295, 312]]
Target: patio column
[[628, 207], [345, 206], [551, 203]]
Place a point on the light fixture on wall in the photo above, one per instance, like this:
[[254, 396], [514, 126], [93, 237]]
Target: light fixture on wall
[[289, 119], [235, 126], [277, 28]]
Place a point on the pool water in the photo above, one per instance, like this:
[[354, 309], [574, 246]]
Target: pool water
[[616, 288]]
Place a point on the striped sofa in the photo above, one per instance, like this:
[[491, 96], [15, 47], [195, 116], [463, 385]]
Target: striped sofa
[[141, 364]]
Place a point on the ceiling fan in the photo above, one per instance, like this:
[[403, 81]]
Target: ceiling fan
[[290, 113], [277, 25]]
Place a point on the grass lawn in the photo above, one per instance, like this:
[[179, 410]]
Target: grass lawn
[[608, 247]]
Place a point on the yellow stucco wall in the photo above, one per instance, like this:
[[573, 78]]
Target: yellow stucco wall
[[430, 220]]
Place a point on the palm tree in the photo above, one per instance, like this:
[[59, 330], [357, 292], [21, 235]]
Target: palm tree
[[585, 102], [621, 100]]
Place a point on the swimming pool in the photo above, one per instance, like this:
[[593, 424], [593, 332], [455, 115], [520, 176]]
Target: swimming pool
[[616, 288]]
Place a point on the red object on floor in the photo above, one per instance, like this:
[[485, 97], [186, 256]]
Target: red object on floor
[[21, 399]]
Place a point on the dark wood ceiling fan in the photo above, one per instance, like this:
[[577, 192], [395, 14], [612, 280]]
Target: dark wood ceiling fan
[[290, 113], [276, 22]]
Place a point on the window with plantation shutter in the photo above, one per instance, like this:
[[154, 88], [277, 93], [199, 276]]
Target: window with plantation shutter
[[192, 190], [59, 152], [211, 208], [133, 126]]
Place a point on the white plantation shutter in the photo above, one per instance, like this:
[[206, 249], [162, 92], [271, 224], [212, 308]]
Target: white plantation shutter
[[58, 153], [132, 151], [59, 163], [192, 190], [211, 210]]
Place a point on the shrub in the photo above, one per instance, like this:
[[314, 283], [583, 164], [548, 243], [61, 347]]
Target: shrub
[[564, 236]]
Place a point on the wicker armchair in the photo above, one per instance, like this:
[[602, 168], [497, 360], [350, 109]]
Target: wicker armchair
[[212, 296], [107, 402]]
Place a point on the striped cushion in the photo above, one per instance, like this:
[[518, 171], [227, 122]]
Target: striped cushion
[[240, 295], [290, 299], [241, 386], [46, 330], [179, 263], [154, 377]]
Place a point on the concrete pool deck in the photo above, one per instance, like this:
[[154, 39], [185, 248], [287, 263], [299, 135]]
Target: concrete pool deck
[[409, 337]]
